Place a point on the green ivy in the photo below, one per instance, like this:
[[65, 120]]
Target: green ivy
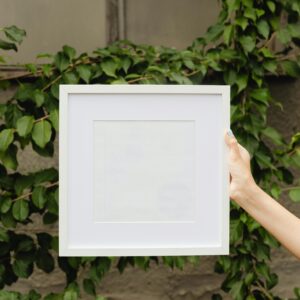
[[238, 51]]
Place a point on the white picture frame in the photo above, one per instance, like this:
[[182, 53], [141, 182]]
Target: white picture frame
[[143, 170]]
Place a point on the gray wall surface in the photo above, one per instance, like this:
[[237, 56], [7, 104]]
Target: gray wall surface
[[52, 23], [86, 25], [173, 23]]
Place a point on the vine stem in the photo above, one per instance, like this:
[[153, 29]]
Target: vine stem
[[51, 82], [36, 121], [291, 55], [270, 40], [30, 193], [42, 118], [140, 78], [293, 151], [290, 188], [263, 290]]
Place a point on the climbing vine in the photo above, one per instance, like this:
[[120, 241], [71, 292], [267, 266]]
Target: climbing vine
[[238, 50]]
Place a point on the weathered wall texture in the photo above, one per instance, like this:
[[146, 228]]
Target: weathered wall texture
[[172, 23], [50, 24]]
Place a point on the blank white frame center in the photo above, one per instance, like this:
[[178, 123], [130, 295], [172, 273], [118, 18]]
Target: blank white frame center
[[143, 170]]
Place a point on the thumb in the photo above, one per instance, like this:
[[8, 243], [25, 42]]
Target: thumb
[[232, 144]]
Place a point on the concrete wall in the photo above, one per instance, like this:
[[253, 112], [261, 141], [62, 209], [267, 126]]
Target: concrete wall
[[173, 23], [168, 22], [86, 25], [50, 24]]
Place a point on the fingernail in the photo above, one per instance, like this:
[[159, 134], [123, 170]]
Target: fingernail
[[230, 133]]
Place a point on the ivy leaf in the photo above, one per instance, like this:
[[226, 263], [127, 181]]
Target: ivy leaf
[[84, 72], [233, 5], [177, 77], [263, 160], [242, 22], [44, 261], [263, 269], [284, 36], [5, 205], [70, 295], [241, 81], [47, 70], [263, 28], [55, 90], [38, 97], [271, 6], [25, 244], [8, 220], [31, 68], [20, 210], [238, 290], [23, 182], [24, 125], [297, 292], [247, 43], [69, 51], [54, 243], [9, 158], [54, 118], [44, 55], [14, 33], [126, 62], [50, 174], [41, 133], [24, 92], [274, 135], [44, 240], [270, 65], [49, 218], [250, 13], [214, 32], [6, 138], [189, 64], [266, 52], [89, 286], [22, 268], [52, 203], [109, 67], [236, 230], [3, 235], [247, 3], [259, 12], [227, 35], [291, 68], [38, 197], [262, 95], [120, 80], [294, 30], [7, 46], [70, 78], [294, 194], [61, 61]]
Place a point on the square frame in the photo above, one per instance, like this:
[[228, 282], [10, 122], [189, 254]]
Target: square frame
[[87, 248]]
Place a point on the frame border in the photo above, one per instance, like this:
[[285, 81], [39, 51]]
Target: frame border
[[64, 91]]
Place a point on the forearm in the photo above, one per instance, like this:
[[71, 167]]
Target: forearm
[[275, 218]]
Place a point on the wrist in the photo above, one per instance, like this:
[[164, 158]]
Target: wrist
[[250, 195]]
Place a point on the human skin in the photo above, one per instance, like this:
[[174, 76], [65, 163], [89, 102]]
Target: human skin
[[275, 218]]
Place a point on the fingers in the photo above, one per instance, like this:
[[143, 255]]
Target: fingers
[[232, 144]]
